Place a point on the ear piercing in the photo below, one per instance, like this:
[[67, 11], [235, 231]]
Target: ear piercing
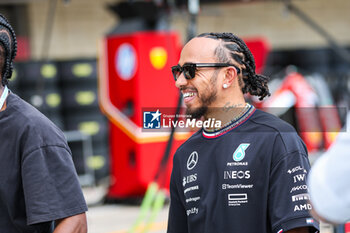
[[225, 86]]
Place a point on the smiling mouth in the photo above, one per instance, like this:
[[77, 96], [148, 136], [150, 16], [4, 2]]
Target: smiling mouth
[[189, 96]]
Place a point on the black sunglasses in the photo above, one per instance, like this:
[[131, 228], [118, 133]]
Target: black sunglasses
[[189, 69]]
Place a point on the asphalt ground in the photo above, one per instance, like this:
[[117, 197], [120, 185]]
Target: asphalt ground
[[119, 218]]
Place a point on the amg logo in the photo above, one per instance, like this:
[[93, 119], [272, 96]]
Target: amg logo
[[300, 197], [302, 207], [236, 175]]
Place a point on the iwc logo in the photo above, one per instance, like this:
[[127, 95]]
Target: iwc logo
[[192, 160], [239, 153]]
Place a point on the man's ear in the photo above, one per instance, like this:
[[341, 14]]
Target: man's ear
[[230, 76]]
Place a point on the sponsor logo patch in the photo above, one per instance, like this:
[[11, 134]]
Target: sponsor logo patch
[[301, 197], [193, 210], [236, 175], [189, 179], [295, 169], [297, 188], [192, 188], [299, 177], [239, 153], [302, 207], [192, 160], [193, 199], [236, 199], [237, 186], [309, 221], [231, 164]]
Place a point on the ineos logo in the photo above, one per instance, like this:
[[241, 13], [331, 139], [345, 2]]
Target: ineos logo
[[192, 160]]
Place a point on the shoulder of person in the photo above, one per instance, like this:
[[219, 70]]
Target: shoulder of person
[[286, 138], [187, 144], [33, 125], [271, 122]]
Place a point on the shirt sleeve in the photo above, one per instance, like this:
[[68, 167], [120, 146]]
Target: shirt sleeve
[[288, 193], [51, 187], [177, 221]]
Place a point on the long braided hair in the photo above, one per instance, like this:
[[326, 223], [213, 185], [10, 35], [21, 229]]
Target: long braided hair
[[8, 42], [234, 47]]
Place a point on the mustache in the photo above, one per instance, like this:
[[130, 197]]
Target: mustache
[[188, 89]]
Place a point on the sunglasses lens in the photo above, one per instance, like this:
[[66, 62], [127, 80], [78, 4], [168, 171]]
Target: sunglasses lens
[[189, 71], [176, 70]]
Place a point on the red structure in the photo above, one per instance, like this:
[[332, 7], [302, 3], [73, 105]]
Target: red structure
[[260, 50], [23, 48], [347, 227], [135, 74]]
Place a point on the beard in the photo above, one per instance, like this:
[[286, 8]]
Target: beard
[[205, 99], [196, 113]]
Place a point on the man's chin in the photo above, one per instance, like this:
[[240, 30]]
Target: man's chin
[[196, 113]]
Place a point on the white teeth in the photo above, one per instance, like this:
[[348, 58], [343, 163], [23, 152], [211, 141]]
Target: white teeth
[[188, 94]]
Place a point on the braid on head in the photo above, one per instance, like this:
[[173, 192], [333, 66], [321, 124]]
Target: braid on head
[[235, 48], [8, 42]]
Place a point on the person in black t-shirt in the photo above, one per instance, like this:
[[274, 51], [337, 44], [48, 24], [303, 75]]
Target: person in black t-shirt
[[39, 187], [249, 174]]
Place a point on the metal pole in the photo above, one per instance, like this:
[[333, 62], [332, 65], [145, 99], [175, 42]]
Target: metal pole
[[193, 9]]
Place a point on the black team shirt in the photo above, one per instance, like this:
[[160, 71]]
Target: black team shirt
[[250, 177], [38, 181]]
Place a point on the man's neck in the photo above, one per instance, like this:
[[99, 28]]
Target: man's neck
[[226, 113]]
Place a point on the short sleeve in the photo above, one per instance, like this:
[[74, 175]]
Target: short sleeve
[[288, 193], [177, 221], [51, 187]]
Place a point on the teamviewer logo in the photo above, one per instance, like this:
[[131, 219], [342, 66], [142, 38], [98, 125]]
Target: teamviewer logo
[[151, 120]]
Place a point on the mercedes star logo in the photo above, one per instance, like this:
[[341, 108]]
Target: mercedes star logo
[[192, 160]]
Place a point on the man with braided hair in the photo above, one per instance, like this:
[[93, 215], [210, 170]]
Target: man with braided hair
[[39, 189], [248, 175]]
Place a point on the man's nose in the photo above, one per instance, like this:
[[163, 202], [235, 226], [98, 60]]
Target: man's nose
[[181, 81]]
